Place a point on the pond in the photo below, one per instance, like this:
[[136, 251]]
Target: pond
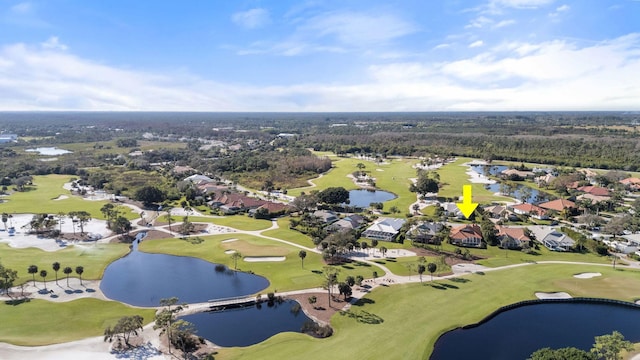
[[49, 151], [516, 333], [142, 279], [362, 198], [250, 325], [517, 191]]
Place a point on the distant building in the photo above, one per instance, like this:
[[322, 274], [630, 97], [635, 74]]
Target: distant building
[[5, 138]]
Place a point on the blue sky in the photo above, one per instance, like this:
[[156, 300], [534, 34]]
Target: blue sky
[[343, 55]]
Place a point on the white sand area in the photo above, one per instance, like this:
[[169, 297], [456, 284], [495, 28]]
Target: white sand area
[[229, 240], [477, 178], [553, 295], [229, 251], [94, 348], [23, 240], [587, 275], [264, 258]]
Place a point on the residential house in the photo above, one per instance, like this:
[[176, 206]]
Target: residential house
[[557, 241], [633, 184], [198, 179], [326, 216], [232, 203], [517, 173], [527, 209], [467, 235], [384, 229], [590, 175], [594, 190], [496, 211], [451, 209], [594, 198], [425, 232], [512, 237], [350, 222], [558, 205], [544, 179], [269, 210]]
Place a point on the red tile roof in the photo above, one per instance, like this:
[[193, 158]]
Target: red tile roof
[[558, 204], [515, 233], [466, 232], [594, 190], [530, 209]]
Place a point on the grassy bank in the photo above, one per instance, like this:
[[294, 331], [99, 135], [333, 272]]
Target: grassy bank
[[40, 322], [404, 321]]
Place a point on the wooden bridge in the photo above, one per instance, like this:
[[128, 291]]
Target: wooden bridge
[[232, 302]]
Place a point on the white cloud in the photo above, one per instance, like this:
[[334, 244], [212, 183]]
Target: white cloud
[[553, 75], [54, 43], [22, 8], [336, 32], [476, 44], [24, 14], [354, 28], [504, 23], [441, 46], [559, 10], [252, 19], [522, 4], [479, 22]]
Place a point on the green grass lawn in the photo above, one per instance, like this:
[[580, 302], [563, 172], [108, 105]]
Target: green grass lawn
[[408, 265], [284, 233], [453, 176], [393, 176], [39, 198], [493, 256], [40, 322], [411, 317], [93, 257], [282, 275]]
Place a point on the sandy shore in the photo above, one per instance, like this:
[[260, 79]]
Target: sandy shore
[[91, 348]]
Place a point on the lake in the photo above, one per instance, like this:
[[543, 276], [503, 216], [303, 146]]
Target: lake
[[514, 190], [516, 333], [49, 151], [250, 325], [362, 198], [142, 279]]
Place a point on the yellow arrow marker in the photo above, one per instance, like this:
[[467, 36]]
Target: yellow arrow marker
[[466, 206]]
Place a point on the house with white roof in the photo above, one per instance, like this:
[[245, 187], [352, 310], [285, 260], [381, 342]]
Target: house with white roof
[[384, 229]]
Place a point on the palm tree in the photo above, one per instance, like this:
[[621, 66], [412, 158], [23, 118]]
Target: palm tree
[[235, 256], [302, 254], [43, 273], [383, 250], [79, 271], [56, 267], [67, 270], [33, 270]]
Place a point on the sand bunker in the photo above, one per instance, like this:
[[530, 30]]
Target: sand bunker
[[553, 295], [586, 275], [229, 251], [229, 240], [61, 197], [264, 258]]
